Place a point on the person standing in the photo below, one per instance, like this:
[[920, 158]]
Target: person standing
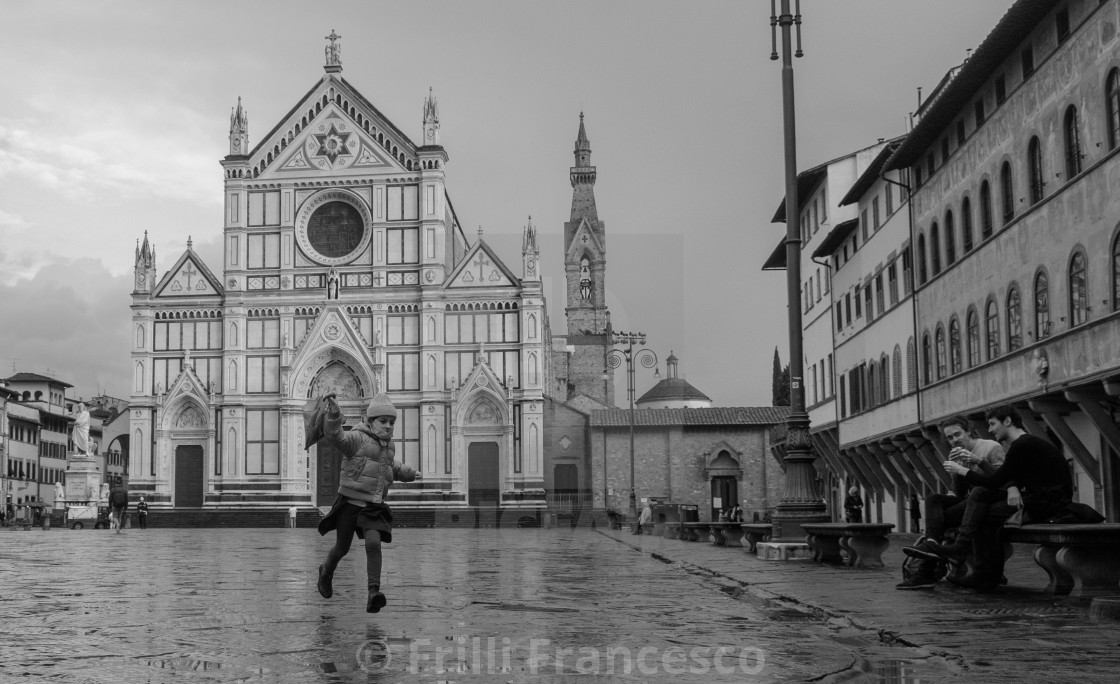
[[853, 506], [118, 503], [366, 473], [142, 513], [292, 512], [915, 514], [643, 519]]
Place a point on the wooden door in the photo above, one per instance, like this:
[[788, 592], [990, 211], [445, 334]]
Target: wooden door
[[188, 476]]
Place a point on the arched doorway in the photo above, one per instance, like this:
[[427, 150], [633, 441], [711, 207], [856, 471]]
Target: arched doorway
[[339, 379], [724, 472]]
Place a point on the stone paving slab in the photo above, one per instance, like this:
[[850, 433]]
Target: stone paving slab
[[1016, 634], [221, 605]]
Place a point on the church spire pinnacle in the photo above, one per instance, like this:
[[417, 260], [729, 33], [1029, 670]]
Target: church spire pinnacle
[[582, 145], [238, 130], [431, 119]]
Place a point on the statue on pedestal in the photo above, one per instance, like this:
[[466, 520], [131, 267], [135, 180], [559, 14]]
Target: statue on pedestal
[[59, 492], [104, 495], [80, 434]]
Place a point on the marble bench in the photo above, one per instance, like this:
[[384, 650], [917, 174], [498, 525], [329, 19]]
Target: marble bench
[[1082, 561], [864, 543], [753, 533], [726, 533], [695, 531]]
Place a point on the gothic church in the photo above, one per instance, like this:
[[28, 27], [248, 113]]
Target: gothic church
[[346, 270]]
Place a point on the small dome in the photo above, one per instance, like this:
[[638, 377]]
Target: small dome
[[673, 389]]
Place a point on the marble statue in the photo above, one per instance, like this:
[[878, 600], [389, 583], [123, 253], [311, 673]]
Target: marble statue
[[80, 433], [59, 492], [104, 496]]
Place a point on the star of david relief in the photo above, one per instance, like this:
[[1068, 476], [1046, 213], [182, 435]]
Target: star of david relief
[[332, 144]]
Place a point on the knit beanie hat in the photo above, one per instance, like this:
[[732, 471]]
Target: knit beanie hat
[[380, 405]]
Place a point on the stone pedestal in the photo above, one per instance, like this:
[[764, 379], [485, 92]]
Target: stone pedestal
[[83, 479]]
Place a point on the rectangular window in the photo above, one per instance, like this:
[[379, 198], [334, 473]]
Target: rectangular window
[[839, 317], [931, 164], [857, 299], [262, 333], [404, 329], [879, 293], [978, 111], [892, 282], [888, 194], [848, 308], [394, 203], [403, 245], [1001, 89], [917, 175], [960, 133], [875, 220], [944, 150], [407, 436], [403, 371], [262, 442], [262, 374], [264, 208], [411, 202], [863, 224], [1061, 23], [264, 251], [907, 276], [1027, 58], [867, 302]]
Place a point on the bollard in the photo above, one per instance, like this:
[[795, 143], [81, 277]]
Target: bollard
[[46, 523]]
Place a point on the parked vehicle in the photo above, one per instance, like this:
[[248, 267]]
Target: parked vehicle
[[82, 513]]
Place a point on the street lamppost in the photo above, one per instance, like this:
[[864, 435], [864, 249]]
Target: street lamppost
[[800, 502], [648, 359]]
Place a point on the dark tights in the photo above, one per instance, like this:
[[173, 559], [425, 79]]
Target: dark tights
[[344, 535]]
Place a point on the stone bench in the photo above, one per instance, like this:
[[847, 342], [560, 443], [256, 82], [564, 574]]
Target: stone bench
[[863, 542], [1082, 561], [672, 530], [726, 533], [695, 531], [753, 533]]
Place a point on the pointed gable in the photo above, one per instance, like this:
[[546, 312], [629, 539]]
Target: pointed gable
[[481, 268], [189, 277], [585, 239], [335, 130], [332, 338]]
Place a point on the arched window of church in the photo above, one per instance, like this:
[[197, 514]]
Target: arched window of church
[[430, 371], [232, 335], [140, 336], [431, 329], [585, 279], [231, 377], [231, 447], [533, 325], [532, 448], [138, 449], [139, 385], [430, 445], [532, 369]]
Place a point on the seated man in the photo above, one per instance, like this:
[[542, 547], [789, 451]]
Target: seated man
[[943, 511], [1045, 483]]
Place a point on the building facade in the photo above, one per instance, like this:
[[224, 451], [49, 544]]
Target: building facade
[[1010, 257], [345, 271]]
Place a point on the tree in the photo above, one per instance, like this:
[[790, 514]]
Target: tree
[[780, 382]]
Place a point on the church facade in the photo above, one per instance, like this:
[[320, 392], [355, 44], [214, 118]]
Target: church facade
[[345, 271]]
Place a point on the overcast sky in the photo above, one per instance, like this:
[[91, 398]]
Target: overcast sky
[[114, 116]]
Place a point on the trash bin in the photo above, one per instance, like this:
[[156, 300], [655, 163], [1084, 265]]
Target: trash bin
[[689, 513]]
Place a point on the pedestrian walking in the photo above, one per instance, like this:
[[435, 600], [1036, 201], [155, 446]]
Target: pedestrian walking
[[142, 513], [118, 503], [292, 512], [915, 514], [643, 519], [853, 506], [366, 473]]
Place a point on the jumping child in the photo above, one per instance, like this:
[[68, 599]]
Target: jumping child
[[367, 471]]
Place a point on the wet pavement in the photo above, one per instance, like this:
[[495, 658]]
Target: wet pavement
[[553, 605]]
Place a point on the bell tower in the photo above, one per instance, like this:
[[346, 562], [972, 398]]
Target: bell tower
[[585, 265], [238, 131]]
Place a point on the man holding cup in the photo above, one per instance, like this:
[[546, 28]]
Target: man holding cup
[[943, 511]]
